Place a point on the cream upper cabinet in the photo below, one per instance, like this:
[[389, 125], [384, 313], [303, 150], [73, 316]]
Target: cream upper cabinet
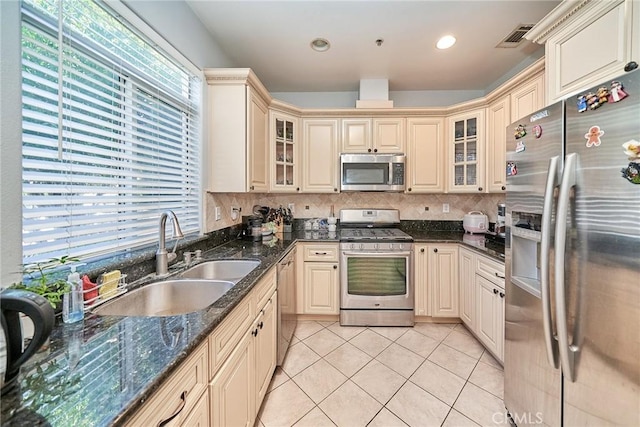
[[425, 155], [527, 98], [356, 136], [320, 155], [465, 142], [498, 118], [373, 135], [443, 280], [237, 148], [587, 42], [284, 155]]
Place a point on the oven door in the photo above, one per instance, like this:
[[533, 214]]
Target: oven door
[[376, 280]]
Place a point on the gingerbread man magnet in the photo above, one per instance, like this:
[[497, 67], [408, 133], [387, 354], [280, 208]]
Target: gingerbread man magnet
[[593, 136]]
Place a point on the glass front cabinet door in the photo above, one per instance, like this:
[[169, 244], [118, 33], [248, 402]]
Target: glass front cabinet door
[[284, 149], [466, 139]]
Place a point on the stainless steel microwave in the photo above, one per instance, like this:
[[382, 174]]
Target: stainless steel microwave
[[372, 172]]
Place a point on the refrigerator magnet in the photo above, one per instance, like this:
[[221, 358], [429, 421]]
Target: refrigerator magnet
[[632, 150], [617, 93], [520, 147], [582, 104], [512, 169], [520, 131], [631, 173], [537, 131], [602, 94], [593, 101], [593, 136]]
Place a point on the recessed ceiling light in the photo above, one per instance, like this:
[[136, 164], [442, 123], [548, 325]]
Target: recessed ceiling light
[[446, 42], [320, 45]]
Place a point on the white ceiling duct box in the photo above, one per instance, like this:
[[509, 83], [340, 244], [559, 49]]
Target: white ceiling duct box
[[374, 93]]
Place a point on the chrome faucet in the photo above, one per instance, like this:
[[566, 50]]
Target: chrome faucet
[[163, 258]]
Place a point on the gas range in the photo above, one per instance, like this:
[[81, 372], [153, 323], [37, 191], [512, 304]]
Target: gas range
[[372, 229]]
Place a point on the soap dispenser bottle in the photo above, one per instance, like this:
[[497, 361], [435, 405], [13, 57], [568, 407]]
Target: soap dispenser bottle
[[72, 301]]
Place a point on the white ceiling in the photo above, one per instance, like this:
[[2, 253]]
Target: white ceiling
[[272, 38]]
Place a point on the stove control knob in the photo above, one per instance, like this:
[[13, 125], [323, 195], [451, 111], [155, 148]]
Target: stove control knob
[[361, 245], [391, 246], [377, 245]]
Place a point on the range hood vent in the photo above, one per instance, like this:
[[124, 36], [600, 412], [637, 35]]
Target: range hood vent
[[515, 37], [374, 93]]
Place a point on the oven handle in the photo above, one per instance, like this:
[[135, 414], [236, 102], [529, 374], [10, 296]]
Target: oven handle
[[381, 254]]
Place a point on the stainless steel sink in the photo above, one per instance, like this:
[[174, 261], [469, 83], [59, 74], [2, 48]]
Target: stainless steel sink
[[167, 298], [232, 270]]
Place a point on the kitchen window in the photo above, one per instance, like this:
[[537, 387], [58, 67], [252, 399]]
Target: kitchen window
[[111, 133]]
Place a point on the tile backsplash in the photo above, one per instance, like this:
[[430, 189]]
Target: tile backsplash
[[411, 206]]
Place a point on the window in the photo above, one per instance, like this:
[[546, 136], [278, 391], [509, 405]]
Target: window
[[110, 133]]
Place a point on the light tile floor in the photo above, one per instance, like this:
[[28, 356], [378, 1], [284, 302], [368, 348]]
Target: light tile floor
[[428, 375]]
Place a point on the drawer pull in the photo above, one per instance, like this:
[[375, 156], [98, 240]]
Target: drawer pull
[[498, 275], [261, 325], [183, 397], [254, 332], [320, 253]]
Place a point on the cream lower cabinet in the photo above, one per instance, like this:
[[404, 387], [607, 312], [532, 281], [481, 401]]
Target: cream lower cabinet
[[318, 284], [436, 280], [443, 280], [238, 376], [467, 260], [181, 397], [482, 299], [425, 155]]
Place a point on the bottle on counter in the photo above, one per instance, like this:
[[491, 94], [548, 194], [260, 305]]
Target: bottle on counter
[[73, 301]]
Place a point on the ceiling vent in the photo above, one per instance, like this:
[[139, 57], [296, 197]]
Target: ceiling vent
[[515, 37]]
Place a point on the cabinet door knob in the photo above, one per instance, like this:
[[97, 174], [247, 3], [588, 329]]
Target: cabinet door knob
[[435, 250], [421, 249], [335, 267], [297, 188], [504, 187], [251, 188], [375, 150], [409, 189], [479, 188], [335, 189], [501, 294], [495, 291], [369, 150]]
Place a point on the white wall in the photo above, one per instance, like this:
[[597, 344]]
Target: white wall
[[10, 144], [178, 24]]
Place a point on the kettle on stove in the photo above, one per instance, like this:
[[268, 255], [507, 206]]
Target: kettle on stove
[[12, 354]]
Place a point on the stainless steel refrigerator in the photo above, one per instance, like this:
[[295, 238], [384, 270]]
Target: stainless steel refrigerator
[[572, 332]]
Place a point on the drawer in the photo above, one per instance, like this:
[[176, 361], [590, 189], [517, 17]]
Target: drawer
[[179, 394], [320, 252], [490, 269], [228, 334], [264, 289]]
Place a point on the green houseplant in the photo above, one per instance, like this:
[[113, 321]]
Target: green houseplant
[[45, 278]]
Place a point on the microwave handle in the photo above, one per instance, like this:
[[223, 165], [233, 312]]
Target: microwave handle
[[390, 173]]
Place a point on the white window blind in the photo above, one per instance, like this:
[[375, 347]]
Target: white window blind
[[110, 133]]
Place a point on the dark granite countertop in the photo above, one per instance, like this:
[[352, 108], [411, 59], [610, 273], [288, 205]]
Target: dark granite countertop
[[100, 371]]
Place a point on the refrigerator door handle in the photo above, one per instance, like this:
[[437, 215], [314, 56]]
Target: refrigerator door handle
[[545, 247], [567, 351]]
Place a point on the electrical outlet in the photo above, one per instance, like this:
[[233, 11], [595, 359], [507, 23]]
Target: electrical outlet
[[218, 213], [445, 207], [292, 208]]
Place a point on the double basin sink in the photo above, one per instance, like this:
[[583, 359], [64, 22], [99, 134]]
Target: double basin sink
[[195, 289]]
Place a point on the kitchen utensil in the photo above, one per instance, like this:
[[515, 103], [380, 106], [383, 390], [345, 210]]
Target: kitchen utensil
[[475, 222], [12, 351], [500, 221]]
